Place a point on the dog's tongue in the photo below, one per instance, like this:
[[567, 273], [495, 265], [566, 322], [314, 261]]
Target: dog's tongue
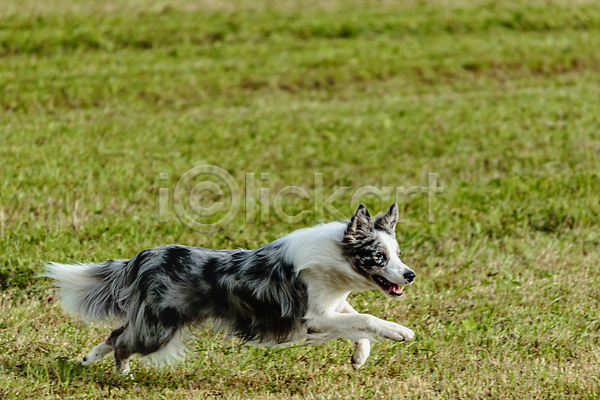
[[396, 289]]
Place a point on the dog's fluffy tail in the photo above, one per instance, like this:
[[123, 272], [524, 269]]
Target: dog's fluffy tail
[[89, 291]]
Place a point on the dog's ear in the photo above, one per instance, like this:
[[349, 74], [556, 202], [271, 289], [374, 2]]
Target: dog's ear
[[360, 224], [387, 222]]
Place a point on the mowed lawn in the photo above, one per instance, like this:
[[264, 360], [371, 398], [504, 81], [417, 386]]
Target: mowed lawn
[[501, 100]]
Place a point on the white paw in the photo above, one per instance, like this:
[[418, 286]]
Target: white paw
[[85, 361], [363, 349], [398, 333], [96, 354], [125, 372], [90, 358]]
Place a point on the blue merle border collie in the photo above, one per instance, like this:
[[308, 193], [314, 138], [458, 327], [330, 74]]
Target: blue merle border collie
[[292, 290]]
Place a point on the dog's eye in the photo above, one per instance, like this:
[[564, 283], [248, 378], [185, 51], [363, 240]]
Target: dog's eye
[[379, 256]]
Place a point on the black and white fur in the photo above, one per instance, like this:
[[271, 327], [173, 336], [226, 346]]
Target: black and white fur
[[291, 290]]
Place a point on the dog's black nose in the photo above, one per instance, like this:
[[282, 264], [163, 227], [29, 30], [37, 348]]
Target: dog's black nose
[[409, 276]]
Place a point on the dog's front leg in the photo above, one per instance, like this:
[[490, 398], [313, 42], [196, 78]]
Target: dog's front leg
[[362, 346], [357, 326]]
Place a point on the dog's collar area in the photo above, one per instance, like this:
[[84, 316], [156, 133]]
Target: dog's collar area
[[390, 288]]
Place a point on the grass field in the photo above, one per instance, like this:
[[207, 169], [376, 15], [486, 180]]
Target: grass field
[[499, 99]]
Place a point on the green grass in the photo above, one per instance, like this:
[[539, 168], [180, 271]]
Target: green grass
[[500, 100]]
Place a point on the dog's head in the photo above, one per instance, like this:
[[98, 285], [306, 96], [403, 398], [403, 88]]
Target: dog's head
[[372, 250]]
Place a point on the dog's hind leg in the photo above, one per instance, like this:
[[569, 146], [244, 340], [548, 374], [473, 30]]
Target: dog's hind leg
[[100, 351], [122, 350], [362, 346], [145, 334], [122, 357], [96, 354]]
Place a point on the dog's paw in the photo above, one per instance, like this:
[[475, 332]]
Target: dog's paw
[[363, 349], [84, 361], [91, 358], [408, 334], [398, 333]]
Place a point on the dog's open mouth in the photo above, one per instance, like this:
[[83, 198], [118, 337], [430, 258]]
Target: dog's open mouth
[[390, 288]]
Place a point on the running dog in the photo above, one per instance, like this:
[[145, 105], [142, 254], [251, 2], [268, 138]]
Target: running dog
[[292, 290]]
